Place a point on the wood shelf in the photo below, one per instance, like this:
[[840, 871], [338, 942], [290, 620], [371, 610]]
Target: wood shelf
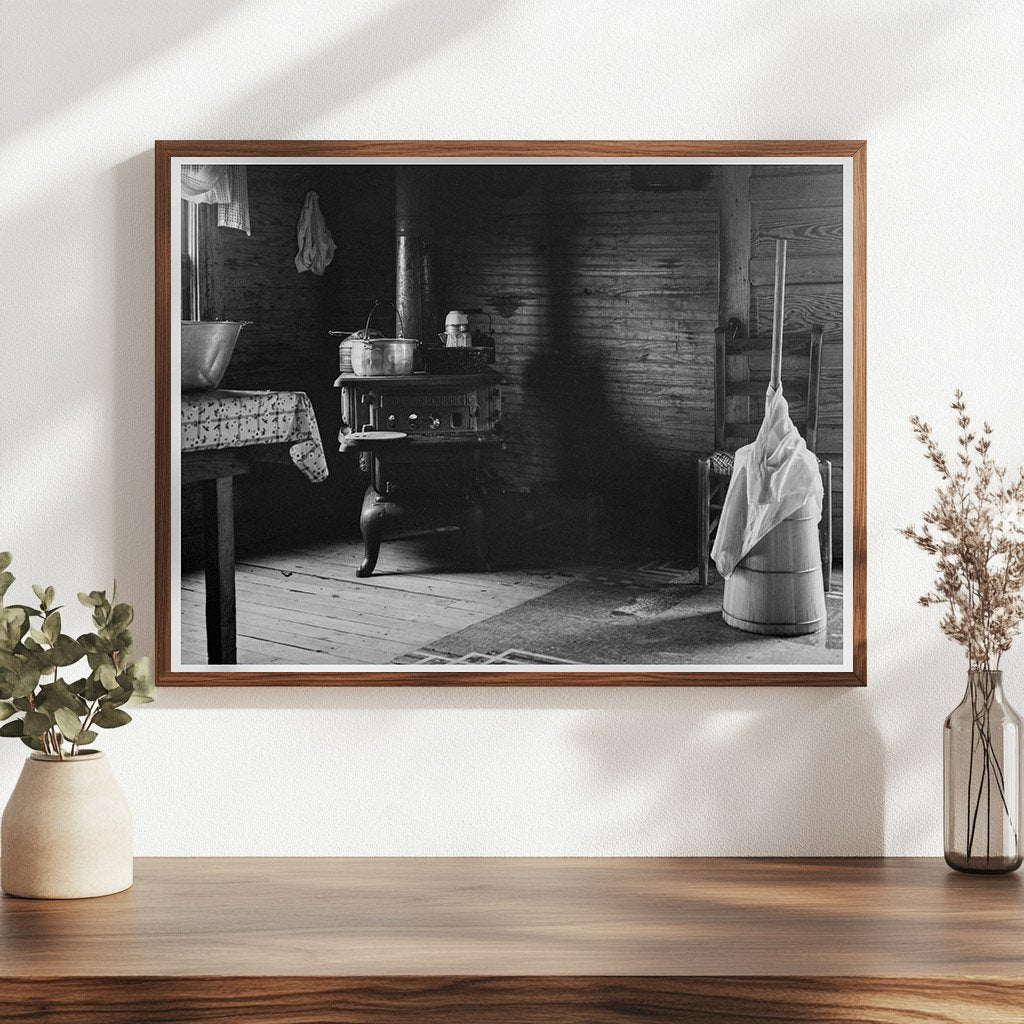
[[279, 941]]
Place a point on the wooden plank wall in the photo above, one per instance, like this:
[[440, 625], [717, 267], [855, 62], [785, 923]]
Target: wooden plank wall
[[805, 206], [287, 347], [605, 300]]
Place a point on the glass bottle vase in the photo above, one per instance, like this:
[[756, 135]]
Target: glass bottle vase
[[981, 770]]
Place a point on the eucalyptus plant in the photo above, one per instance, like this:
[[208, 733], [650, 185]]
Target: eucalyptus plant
[[37, 704]]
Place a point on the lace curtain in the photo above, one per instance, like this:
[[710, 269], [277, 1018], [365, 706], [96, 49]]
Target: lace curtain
[[221, 185]]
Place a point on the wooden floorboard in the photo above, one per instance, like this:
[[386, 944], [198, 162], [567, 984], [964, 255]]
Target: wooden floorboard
[[306, 606]]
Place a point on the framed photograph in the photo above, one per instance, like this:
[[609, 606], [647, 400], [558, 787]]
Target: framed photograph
[[493, 413]]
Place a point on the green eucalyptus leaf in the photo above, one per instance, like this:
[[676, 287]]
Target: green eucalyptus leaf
[[6, 579], [66, 651], [36, 723], [28, 610], [13, 626], [110, 717], [124, 641], [122, 616], [59, 695], [86, 736], [9, 663], [115, 698], [27, 681], [49, 595], [22, 703], [69, 724], [89, 600], [142, 681], [107, 676], [16, 727], [5, 559], [51, 626], [31, 741], [6, 710], [101, 649], [94, 689], [38, 636], [40, 593]]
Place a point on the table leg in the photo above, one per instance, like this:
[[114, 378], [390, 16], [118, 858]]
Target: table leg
[[219, 544]]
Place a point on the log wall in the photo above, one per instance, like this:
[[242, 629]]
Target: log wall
[[804, 205], [288, 347], [605, 302]]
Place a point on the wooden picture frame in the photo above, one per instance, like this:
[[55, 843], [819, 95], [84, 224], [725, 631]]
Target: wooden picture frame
[[735, 271]]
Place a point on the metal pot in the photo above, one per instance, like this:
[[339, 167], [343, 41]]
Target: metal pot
[[206, 350], [383, 357], [345, 347]]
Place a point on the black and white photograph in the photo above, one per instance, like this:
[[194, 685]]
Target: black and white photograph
[[516, 414]]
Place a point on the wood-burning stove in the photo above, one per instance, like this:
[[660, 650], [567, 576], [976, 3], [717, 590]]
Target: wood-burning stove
[[428, 479]]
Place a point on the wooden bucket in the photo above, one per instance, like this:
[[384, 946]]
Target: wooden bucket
[[777, 588]]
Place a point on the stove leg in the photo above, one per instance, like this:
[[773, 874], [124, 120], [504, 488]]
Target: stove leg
[[473, 533], [371, 524]]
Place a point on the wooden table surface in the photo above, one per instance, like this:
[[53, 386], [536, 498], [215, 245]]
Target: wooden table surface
[[526, 939]]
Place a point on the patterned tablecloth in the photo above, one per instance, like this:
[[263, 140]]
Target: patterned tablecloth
[[236, 419]]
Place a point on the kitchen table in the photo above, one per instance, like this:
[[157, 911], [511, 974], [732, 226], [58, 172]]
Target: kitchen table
[[222, 434]]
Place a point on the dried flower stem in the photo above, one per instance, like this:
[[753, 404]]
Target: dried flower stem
[[975, 531]]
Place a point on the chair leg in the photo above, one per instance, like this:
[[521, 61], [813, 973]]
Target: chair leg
[[825, 530], [703, 519]]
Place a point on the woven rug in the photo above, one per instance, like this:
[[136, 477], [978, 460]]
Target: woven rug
[[650, 615]]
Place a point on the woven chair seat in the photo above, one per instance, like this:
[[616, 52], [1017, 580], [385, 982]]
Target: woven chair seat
[[722, 463]]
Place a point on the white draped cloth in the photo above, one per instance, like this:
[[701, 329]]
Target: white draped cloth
[[773, 477], [222, 185]]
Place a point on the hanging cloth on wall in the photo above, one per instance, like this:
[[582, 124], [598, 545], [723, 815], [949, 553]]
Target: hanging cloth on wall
[[773, 478], [316, 246], [222, 185]]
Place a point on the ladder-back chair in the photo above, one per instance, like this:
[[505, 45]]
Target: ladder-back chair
[[714, 471]]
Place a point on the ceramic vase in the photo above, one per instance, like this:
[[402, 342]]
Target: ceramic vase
[[66, 831]]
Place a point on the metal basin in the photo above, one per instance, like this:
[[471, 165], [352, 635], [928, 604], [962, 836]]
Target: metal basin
[[206, 349], [383, 357]]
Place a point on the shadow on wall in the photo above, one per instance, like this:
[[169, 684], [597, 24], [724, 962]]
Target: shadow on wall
[[394, 39], [132, 385], [360, 61], [672, 772], [803, 66], [725, 770], [107, 30], [688, 752]]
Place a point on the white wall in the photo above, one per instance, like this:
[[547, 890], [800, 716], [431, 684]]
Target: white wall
[[936, 88]]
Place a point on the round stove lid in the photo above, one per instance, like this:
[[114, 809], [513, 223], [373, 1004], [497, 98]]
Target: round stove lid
[[380, 435]]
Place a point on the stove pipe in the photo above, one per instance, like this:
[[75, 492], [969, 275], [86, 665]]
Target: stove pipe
[[409, 241]]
